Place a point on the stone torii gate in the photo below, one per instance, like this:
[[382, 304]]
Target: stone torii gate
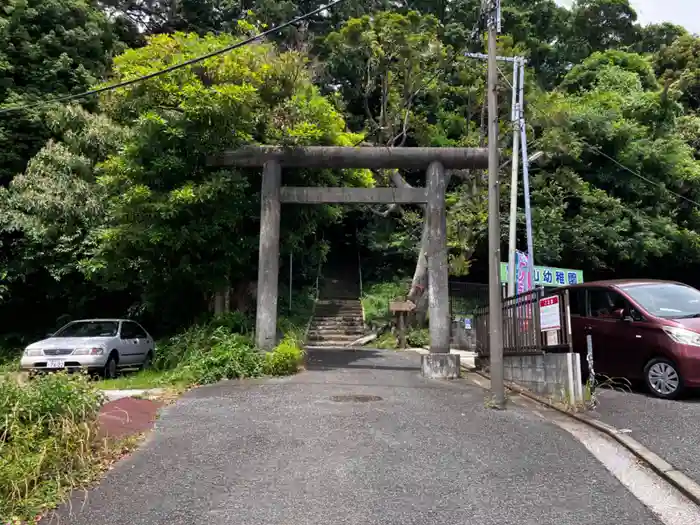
[[439, 363]]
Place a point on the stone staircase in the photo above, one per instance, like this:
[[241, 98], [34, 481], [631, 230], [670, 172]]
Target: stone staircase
[[336, 322], [338, 319]]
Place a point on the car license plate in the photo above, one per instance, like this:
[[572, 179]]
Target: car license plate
[[56, 363]]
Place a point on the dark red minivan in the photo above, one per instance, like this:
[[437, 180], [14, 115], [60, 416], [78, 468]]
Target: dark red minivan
[[641, 330]]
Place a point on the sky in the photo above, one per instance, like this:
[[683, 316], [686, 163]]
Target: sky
[[685, 13]]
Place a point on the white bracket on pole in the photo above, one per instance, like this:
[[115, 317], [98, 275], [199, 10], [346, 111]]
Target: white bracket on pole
[[482, 56], [493, 10]]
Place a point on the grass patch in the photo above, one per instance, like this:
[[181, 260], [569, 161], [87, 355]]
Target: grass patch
[[138, 380], [48, 442], [418, 337], [385, 341], [376, 298], [415, 338], [9, 360]]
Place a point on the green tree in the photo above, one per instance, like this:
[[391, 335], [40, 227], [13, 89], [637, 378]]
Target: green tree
[[655, 37], [48, 48], [172, 222], [414, 90], [599, 25], [589, 208], [584, 76], [679, 66]]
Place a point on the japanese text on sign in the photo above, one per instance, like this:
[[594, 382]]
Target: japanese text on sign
[[543, 275], [550, 318]]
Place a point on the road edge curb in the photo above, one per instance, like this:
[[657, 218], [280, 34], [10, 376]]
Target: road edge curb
[[663, 468]]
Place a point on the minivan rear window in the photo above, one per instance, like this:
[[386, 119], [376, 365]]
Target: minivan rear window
[[667, 300]]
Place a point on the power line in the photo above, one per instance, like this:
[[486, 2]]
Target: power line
[[596, 150], [619, 164], [639, 175], [174, 67]]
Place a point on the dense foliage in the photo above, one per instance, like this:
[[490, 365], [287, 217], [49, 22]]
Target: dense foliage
[[107, 206], [47, 442]]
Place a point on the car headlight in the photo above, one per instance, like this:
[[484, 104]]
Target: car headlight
[[683, 336], [89, 350], [33, 352]]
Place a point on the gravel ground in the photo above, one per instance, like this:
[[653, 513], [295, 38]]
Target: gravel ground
[[669, 428], [283, 452]]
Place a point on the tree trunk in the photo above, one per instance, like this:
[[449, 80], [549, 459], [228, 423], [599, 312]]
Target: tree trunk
[[419, 283]]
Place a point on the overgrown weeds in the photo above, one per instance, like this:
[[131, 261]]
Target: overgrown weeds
[[376, 299], [219, 349], [48, 442], [418, 337]]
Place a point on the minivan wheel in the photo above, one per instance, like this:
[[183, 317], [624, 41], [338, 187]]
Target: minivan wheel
[[663, 378], [110, 371]]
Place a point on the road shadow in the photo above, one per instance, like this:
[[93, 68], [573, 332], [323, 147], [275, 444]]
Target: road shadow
[[360, 359]]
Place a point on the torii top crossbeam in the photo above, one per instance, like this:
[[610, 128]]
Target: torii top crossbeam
[[349, 157]]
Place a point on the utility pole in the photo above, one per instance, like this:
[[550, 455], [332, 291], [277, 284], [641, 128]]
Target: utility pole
[[526, 179], [512, 226], [494, 226]]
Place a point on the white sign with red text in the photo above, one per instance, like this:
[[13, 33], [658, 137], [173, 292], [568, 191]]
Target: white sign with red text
[[550, 317]]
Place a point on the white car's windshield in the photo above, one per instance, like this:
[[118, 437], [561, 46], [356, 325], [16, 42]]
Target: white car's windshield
[[89, 329], [667, 300]]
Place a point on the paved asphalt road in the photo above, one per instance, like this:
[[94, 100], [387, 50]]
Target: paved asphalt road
[[669, 428], [282, 452]]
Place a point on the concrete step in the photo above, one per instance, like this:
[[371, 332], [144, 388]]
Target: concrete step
[[332, 337], [347, 325], [338, 308], [333, 309], [328, 344], [334, 331], [350, 316], [332, 317], [337, 318]]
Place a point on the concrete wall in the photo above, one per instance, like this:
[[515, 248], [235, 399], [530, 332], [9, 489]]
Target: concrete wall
[[556, 376]]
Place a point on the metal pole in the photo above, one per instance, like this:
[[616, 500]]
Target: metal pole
[[494, 227], [512, 239], [290, 282], [526, 179]]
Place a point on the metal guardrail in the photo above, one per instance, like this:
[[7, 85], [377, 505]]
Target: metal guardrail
[[522, 332]]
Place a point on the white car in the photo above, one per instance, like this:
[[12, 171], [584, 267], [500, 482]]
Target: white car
[[96, 345]]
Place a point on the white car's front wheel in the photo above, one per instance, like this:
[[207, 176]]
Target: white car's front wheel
[[110, 370]]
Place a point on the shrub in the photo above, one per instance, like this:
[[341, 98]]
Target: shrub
[[376, 299], [385, 341], [418, 337], [285, 359], [47, 441], [184, 346], [209, 353], [232, 356], [235, 322]]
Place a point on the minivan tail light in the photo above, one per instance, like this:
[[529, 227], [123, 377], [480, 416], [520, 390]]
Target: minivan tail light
[[682, 335]]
